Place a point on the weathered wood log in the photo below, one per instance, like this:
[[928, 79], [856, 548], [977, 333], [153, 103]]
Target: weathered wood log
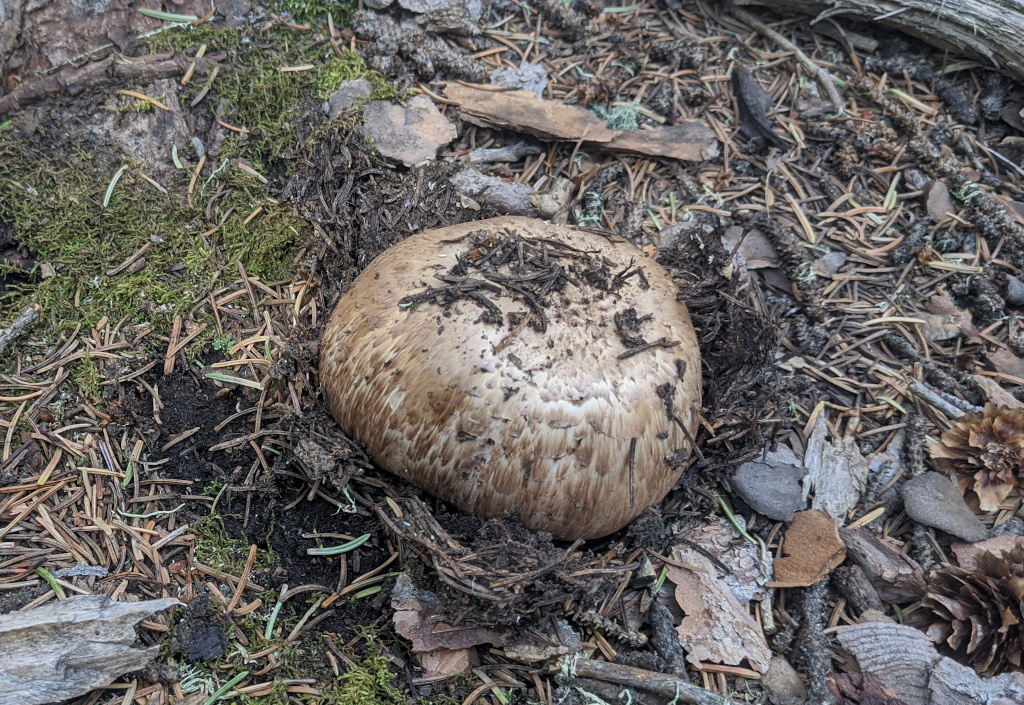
[[987, 30], [65, 649]]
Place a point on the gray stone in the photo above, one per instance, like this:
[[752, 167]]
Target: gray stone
[[347, 95], [1014, 291], [829, 264], [411, 134], [783, 684], [772, 490], [933, 500]]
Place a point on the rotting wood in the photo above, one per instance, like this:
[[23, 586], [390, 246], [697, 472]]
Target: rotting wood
[[19, 326], [988, 30], [658, 683], [65, 649], [113, 70]]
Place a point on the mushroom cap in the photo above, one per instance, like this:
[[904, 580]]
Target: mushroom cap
[[498, 416]]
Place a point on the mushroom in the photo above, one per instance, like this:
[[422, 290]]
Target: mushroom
[[515, 366]]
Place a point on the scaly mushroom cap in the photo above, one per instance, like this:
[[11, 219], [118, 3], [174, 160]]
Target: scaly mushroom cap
[[512, 365]]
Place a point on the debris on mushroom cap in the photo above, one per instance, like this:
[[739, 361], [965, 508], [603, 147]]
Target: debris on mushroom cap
[[986, 451], [512, 365]]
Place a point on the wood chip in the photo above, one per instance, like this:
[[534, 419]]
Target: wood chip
[[812, 549]]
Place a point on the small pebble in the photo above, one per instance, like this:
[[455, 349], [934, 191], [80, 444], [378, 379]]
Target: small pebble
[[933, 500], [783, 684], [1014, 291], [771, 490]]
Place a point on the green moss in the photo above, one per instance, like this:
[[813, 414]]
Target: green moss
[[214, 548], [54, 205], [369, 683], [87, 377], [317, 10]]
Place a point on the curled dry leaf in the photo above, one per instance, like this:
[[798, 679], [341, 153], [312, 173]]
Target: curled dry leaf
[[812, 547], [716, 627], [986, 453]]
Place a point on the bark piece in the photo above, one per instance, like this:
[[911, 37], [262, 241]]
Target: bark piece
[[413, 620], [504, 196], [905, 661], [895, 576], [748, 573], [65, 649], [551, 120], [837, 472], [995, 393], [812, 549], [716, 627], [861, 689], [19, 326], [641, 679]]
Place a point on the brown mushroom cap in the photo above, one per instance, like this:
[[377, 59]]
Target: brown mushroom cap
[[499, 417]]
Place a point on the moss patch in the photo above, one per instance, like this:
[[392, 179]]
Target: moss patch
[[54, 206]]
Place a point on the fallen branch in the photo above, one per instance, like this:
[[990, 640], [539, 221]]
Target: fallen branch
[[19, 326], [989, 30], [823, 76], [111, 70], [637, 678], [65, 649]]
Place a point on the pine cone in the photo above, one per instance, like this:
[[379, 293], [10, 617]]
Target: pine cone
[[976, 616], [986, 451]]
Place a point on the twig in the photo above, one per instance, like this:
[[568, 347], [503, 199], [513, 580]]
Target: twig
[[19, 326], [823, 76], [658, 683]]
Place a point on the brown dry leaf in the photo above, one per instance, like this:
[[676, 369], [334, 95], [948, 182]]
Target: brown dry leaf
[[444, 663], [716, 627], [1006, 362], [995, 393], [755, 248], [942, 306], [998, 546], [937, 201], [548, 119], [813, 549], [414, 620]]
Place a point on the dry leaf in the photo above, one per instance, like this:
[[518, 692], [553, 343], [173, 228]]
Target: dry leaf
[[837, 472], [444, 663], [943, 306], [548, 119], [755, 249], [716, 627], [812, 549], [414, 620]]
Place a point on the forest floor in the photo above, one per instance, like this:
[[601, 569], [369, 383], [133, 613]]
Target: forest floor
[[179, 214]]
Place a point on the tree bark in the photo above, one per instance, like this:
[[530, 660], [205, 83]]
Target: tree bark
[[987, 30]]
